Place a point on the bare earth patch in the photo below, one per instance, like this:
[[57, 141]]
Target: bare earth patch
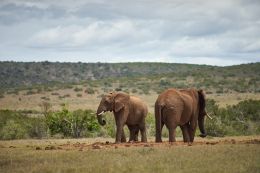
[[108, 143]]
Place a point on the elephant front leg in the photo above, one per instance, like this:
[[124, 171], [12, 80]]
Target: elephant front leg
[[119, 132], [192, 130], [123, 138], [143, 133]]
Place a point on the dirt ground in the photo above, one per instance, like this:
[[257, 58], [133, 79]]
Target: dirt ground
[[108, 143]]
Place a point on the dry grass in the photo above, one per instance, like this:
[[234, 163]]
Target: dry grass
[[88, 101], [21, 156]]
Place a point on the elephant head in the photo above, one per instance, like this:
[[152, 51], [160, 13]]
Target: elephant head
[[111, 102], [202, 113]]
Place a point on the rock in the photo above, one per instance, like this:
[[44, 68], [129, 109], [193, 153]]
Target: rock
[[38, 148], [50, 148], [96, 147]]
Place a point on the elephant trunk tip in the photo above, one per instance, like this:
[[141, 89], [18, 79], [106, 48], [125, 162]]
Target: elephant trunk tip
[[103, 122], [203, 135]]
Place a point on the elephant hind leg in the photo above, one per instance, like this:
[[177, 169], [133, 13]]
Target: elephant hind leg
[[143, 133], [172, 135], [132, 133], [136, 134], [192, 130], [185, 132], [159, 133]]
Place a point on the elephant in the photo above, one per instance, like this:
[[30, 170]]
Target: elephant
[[128, 110], [182, 108]]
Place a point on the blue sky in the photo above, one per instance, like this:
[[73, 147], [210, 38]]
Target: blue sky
[[223, 32]]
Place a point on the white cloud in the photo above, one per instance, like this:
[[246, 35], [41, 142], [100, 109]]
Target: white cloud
[[189, 47], [97, 33]]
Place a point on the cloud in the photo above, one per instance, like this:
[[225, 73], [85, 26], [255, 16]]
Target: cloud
[[96, 33], [212, 32]]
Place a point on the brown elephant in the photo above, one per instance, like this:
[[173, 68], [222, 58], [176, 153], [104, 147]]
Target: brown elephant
[[182, 108], [127, 110]]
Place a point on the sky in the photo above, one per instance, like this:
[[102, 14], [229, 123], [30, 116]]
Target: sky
[[213, 32]]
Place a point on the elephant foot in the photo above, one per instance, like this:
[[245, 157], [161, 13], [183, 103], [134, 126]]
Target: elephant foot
[[158, 139], [203, 135], [144, 141], [117, 142]]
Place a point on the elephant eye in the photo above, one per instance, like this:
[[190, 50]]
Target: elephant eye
[[106, 101]]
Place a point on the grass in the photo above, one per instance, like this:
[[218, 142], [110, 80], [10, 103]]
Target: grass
[[198, 158]]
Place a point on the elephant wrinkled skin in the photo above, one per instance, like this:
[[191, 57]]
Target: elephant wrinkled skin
[[127, 110], [182, 108]]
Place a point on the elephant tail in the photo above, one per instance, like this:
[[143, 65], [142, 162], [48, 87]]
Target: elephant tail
[[158, 120]]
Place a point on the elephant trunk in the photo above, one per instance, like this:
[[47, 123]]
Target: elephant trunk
[[201, 126], [101, 121], [202, 113]]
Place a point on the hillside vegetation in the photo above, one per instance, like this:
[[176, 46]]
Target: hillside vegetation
[[129, 77]]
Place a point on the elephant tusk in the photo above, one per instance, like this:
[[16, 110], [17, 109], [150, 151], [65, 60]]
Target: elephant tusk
[[101, 113], [209, 116]]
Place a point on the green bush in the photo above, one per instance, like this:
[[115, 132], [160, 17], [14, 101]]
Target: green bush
[[77, 89], [240, 119], [13, 130], [36, 128], [90, 91], [72, 124]]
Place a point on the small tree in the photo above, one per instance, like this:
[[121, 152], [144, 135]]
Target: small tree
[[72, 123], [46, 110]]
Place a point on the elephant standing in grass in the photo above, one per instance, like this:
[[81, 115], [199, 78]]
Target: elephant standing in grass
[[182, 108], [127, 110]]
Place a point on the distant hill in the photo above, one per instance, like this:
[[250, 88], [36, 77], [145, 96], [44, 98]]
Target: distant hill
[[26, 74]]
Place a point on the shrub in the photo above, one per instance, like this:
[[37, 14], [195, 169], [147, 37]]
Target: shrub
[[36, 128], [55, 94], [134, 90], [71, 124], [90, 91], [13, 130], [30, 92], [240, 119], [77, 89]]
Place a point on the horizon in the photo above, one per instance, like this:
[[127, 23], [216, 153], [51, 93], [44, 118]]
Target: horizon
[[12, 61]]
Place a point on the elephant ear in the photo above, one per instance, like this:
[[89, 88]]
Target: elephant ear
[[121, 100], [202, 102]]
